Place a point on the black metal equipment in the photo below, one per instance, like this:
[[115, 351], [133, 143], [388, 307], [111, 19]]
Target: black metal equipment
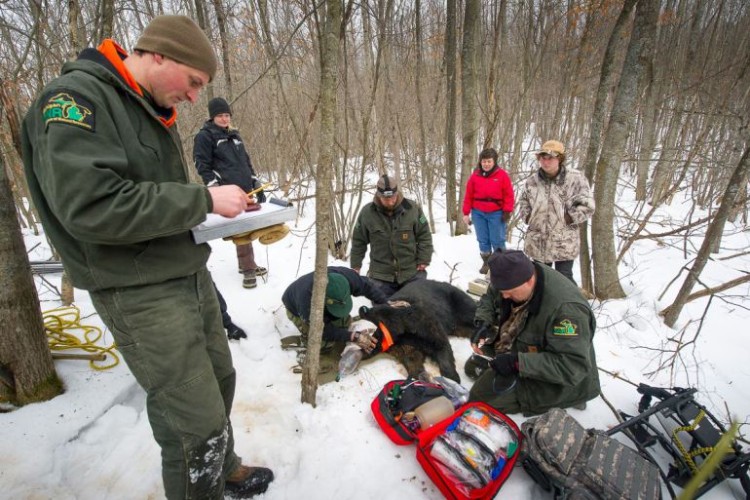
[[687, 432]]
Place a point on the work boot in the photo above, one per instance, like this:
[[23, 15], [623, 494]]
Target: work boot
[[485, 267], [234, 332], [246, 482], [249, 280]]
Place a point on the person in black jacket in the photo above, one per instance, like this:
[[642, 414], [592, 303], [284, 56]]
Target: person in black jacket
[[221, 158], [343, 283], [234, 332]]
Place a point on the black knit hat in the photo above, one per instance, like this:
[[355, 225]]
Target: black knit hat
[[180, 39], [509, 269], [217, 106]]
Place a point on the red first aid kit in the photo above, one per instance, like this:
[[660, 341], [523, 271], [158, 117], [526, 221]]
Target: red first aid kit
[[468, 452]]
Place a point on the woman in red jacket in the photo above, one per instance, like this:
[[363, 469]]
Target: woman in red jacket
[[489, 201]]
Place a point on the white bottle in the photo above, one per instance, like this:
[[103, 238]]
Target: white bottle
[[350, 358]]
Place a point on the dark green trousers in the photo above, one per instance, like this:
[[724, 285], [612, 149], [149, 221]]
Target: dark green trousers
[[171, 337], [497, 391]]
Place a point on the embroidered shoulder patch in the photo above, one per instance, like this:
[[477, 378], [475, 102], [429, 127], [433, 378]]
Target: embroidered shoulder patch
[[565, 329], [71, 108], [422, 219]]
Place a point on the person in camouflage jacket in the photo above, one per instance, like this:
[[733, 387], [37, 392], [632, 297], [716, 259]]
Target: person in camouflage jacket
[[555, 200], [399, 237], [537, 330]]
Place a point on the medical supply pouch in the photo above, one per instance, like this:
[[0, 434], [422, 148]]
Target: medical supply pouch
[[576, 463], [394, 406], [470, 454]]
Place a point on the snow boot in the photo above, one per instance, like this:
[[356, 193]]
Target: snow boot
[[249, 280], [247, 482], [259, 271], [485, 267]]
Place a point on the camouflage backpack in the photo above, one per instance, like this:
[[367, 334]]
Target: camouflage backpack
[[579, 464]]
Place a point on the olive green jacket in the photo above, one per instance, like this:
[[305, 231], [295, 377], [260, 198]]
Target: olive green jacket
[[109, 181], [556, 358], [398, 242]]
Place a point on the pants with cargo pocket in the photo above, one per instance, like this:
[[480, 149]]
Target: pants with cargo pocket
[[171, 337], [497, 391], [330, 351]]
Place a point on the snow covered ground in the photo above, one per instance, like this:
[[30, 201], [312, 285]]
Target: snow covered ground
[[94, 441]]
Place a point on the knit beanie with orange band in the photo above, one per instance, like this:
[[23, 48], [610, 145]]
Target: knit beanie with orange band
[[180, 39]]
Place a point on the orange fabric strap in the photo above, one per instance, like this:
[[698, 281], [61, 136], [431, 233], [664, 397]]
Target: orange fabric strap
[[387, 338]]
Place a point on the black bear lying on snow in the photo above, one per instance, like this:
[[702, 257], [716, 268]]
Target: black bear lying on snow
[[421, 329]]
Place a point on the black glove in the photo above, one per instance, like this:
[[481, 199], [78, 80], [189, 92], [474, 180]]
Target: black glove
[[260, 195], [505, 364], [483, 332], [476, 365], [234, 332]]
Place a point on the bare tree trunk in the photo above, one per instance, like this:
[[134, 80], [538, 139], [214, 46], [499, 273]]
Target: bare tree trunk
[[426, 170], [106, 29], [328, 77], [200, 14], [75, 42], [715, 229], [606, 75], [606, 277], [469, 121], [665, 165], [648, 137], [25, 361], [492, 115], [222, 23], [450, 118]]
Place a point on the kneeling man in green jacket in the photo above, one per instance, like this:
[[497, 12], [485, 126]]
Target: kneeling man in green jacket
[[534, 340]]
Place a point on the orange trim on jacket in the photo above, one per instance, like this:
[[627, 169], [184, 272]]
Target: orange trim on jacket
[[116, 55]]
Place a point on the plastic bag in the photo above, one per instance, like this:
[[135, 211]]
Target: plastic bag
[[350, 358]]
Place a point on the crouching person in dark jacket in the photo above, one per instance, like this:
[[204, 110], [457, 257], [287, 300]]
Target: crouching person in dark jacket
[[343, 283], [534, 340]]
